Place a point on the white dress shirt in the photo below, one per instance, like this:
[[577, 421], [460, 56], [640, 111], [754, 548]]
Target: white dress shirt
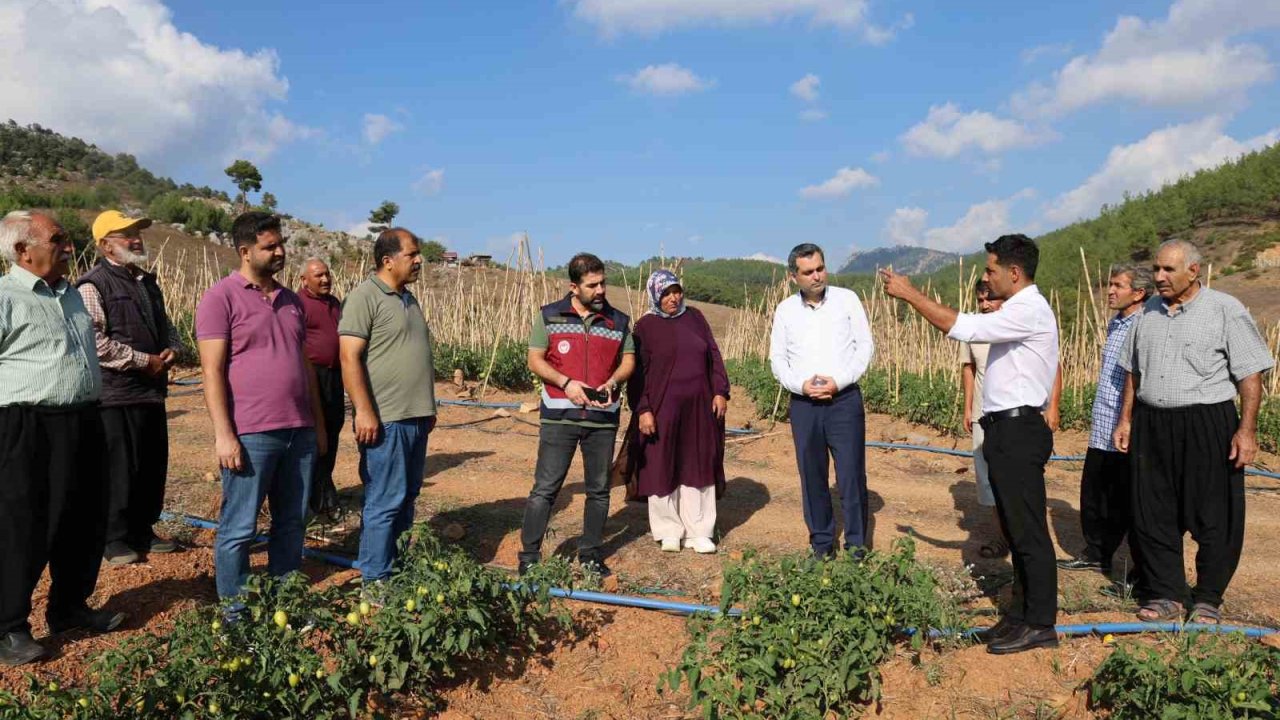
[[1023, 363], [832, 338]]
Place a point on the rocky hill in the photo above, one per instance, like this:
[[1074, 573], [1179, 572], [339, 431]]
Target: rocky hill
[[904, 259]]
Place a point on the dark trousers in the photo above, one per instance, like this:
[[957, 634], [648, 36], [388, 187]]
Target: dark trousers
[[137, 462], [1183, 482], [324, 495], [1017, 450], [1105, 486], [52, 509], [823, 430], [557, 444]]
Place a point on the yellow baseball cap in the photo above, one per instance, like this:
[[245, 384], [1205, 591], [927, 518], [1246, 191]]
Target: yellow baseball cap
[[115, 221]]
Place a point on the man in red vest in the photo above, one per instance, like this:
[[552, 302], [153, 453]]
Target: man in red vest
[[581, 348]]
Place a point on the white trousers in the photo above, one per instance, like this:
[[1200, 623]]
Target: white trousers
[[686, 513]]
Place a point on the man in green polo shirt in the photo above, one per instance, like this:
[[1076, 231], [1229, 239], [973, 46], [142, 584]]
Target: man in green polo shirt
[[389, 374]]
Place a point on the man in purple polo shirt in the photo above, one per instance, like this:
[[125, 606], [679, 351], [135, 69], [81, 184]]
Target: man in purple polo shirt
[[262, 396], [322, 314]]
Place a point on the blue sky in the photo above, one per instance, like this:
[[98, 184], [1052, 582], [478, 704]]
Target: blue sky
[[705, 127]]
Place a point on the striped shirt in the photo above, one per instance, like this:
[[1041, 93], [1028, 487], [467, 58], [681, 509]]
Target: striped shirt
[[1110, 395], [47, 351]]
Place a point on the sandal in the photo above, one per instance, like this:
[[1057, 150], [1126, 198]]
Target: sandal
[[1158, 611], [994, 549], [1205, 614]]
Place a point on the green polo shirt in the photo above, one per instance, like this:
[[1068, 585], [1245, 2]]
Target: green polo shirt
[[48, 355], [398, 357]]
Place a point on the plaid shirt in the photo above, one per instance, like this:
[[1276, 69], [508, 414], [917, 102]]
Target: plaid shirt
[[1106, 403], [1196, 353]]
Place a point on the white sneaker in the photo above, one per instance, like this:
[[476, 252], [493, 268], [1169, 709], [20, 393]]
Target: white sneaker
[[700, 545], [670, 545]]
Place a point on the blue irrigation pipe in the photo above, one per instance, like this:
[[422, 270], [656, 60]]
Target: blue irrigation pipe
[[683, 608]]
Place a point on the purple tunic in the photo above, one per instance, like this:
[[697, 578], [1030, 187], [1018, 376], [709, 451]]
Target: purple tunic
[[679, 371]]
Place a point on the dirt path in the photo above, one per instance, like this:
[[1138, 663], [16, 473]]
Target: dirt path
[[479, 472]]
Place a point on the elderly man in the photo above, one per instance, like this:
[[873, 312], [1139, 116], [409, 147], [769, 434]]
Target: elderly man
[[262, 397], [1022, 369], [52, 493], [323, 311], [1104, 483], [819, 348], [136, 346], [388, 371], [1190, 352]]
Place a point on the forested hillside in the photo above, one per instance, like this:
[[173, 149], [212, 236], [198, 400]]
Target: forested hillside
[[1231, 211]]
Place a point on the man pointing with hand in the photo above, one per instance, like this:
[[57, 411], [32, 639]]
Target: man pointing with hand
[[1022, 365]]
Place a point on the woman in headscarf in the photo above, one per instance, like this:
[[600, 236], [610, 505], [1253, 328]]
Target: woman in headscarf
[[678, 395]]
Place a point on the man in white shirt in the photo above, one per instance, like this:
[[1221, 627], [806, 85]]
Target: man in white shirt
[[1021, 370], [820, 346]]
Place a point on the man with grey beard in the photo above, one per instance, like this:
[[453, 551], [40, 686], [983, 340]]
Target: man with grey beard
[[136, 346]]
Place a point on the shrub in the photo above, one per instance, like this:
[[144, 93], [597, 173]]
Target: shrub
[[1202, 677], [811, 636], [754, 376], [510, 366], [295, 652]]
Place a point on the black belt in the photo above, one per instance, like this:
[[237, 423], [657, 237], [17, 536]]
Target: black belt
[[994, 417]]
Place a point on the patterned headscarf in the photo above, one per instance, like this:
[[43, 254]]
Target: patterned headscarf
[[659, 281]]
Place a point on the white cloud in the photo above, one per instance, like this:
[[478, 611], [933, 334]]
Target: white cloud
[[1161, 157], [845, 181], [981, 223], [806, 88], [118, 73], [666, 79], [1033, 54], [1187, 59], [906, 226], [431, 183], [813, 115], [947, 132], [378, 127], [652, 17]]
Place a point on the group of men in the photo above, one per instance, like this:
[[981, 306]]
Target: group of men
[[1168, 448], [83, 383], [83, 378]]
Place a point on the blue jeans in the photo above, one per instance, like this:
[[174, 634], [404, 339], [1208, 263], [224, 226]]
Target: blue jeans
[[276, 466], [391, 470]]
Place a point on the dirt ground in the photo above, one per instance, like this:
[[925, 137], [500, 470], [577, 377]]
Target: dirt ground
[[480, 469]]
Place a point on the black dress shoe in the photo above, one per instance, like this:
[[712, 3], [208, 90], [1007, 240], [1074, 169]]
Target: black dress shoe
[[1026, 637], [18, 648], [1082, 564], [999, 631], [98, 621], [593, 565]]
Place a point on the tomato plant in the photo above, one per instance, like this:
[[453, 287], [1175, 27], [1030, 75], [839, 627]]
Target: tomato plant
[[811, 636], [1195, 676]]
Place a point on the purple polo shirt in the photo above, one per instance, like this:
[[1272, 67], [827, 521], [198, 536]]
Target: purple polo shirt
[[266, 369]]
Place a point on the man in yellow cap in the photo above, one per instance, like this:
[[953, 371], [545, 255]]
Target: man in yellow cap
[[136, 346]]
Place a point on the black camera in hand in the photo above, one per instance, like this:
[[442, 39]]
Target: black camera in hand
[[599, 396]]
